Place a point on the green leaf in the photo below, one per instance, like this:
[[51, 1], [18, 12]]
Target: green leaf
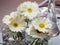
[[14, 36], [19, 34], [32, 42], [27, 20], [37, 42]]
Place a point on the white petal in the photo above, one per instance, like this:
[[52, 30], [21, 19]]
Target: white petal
[[33, 5], [5, 19]]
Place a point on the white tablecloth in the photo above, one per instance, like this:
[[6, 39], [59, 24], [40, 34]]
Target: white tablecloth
[[55, 40], [1, 39]]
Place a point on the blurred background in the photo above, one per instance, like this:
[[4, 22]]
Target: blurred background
[[7, 6]]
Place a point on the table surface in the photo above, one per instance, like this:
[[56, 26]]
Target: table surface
[[7, 6]]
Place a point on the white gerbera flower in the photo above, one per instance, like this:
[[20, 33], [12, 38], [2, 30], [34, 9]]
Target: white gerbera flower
[[35, 33], [18, 24], [9, 18], [42, 24], [29, 9]]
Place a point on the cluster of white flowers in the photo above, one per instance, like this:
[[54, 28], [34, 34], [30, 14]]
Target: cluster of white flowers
[[15, 21], [38, 26]]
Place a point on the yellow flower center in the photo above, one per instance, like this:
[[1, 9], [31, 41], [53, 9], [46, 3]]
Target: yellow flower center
[[11, 19], [15, 24], [42, 25], [29, 10]]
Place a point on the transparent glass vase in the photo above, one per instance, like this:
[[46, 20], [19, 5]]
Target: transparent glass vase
[[52, 17]]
